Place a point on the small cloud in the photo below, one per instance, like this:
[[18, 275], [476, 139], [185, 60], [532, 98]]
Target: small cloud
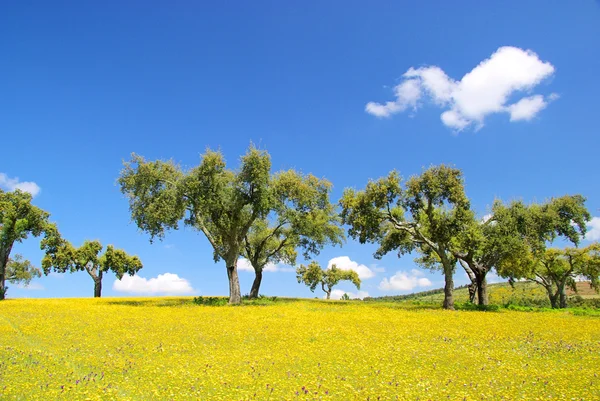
[[165, 284], [10, 184], [593, 233], [403, 281], [338, 294], [31, 287], [483, 91], [169, 246], [486, 217], [344, 263]]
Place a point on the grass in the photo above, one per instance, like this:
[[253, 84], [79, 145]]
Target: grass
[[174, 349]]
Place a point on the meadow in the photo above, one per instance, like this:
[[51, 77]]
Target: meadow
[[172, 349]]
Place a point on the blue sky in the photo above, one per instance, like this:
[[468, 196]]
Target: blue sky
[[85, 84]]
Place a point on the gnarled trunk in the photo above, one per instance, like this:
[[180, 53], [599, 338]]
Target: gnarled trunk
[[97, 288], [256, 283], [482, 295], [562, 295], [553, 297], [235, 296], [448, 288]]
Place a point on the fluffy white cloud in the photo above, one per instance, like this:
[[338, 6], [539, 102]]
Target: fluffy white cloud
[[10, 184], [486, 217], [165, 284], [483, 91], [403, 281], [593, 233], [344, 263], [338, 294], [245, 266]]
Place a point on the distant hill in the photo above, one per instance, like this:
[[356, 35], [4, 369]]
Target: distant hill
[[523, 293]]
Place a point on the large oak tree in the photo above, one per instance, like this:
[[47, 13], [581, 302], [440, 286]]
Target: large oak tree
[[427, 215], [303, 218], [220, 202]]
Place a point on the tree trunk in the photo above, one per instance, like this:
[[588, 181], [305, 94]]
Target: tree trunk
[[553, 298], [482, 295], [235, 296], [562, 295], [328, 294], [449, 288], [4, 255], [97, 288], [256, 284]]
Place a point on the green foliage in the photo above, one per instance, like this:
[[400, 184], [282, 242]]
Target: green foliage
[[345, 297], [18, 220], [312, 275], [427, 215], [210, 301], [221, 203], [63, 257], [20, 270]]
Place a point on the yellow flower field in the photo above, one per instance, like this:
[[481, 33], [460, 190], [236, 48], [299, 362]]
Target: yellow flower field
[[170, 349]]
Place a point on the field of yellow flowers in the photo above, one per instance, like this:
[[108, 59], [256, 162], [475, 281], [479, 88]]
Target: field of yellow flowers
[[171, 349]]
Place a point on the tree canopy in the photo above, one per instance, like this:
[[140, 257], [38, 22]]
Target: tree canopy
[[19, 219], [427, 215], [221, 203], [63, 257], [312, 275], [302, 218]]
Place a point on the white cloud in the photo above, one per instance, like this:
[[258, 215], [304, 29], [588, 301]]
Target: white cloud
[[245, 266], [403, 281], [486, 217], [338, 294], [344, 263], [10, 184], [483, 91], [31, 287], [166, 284], [593, 233]]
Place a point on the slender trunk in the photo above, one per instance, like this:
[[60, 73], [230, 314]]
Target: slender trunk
[[235, 296], [449, 288], [482, 295], [328, 294], [2, 280], [4, 255], [97, 288], [256, 284]]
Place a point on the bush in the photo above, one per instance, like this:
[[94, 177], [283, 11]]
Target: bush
[[476, 307], [210, 301]]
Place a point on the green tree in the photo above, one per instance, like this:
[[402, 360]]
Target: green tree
[[62, 257], [18, 220], [221, 203], [427, 216], [556, 269], [482, 245], [21, 271], [313, 276], [537, 226], [303, 218]]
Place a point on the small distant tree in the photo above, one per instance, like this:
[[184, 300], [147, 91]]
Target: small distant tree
[[313, 276], [303, 218], [221, 203], [558, 269], [427, 215], [61, 257], [18, 220]]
